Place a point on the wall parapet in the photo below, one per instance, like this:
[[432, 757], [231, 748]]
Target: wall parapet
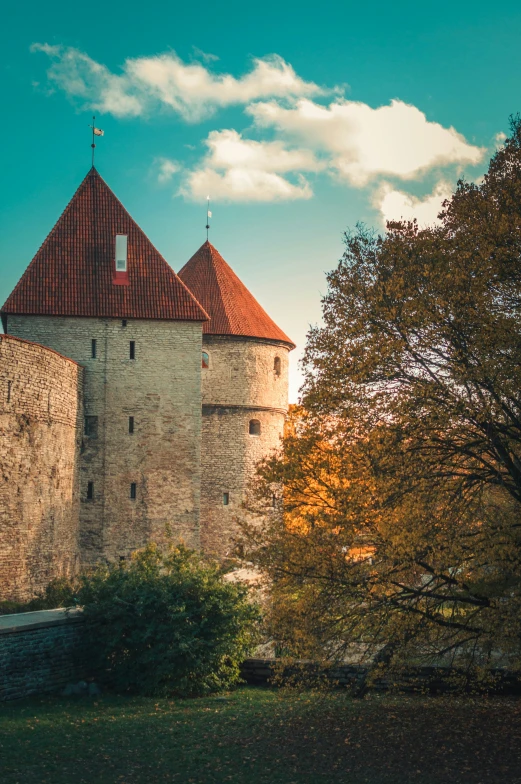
[[40, 652]]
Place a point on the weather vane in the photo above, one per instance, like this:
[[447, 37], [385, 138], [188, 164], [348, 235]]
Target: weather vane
[[95, 132], [208, 216]]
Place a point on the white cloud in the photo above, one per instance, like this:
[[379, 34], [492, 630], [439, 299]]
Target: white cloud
[[351, 141], [81, 77], [238, 184], [238, 169], [190, 89], [364, 143], [397, 205], [229, 149], [166, 169], [500, 139]]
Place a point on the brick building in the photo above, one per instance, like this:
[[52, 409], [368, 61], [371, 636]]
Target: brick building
[[166, 391]]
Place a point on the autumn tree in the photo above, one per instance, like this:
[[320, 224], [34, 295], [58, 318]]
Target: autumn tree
[[400, 524]]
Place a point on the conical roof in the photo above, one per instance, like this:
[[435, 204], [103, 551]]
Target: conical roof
[[231, 307], [73, 272]]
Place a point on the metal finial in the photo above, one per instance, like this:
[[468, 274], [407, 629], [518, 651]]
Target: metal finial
[[208, 216], [93, 145], [95, 132]]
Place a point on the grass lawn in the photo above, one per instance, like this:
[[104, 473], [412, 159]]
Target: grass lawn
[[261, 736]]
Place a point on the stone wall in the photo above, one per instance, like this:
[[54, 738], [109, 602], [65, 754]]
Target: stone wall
[[40, 430], [40, 652], [428, 679], [240, 385], [161, 390], [242, 372]]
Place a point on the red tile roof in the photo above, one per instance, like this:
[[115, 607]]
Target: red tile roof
[[231, 307], [72, 274]]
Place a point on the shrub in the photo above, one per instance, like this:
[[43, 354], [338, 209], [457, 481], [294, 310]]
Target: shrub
[[166, 623]]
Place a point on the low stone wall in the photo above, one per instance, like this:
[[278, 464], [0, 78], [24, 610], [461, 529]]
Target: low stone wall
[[39, 652], [425, 679]]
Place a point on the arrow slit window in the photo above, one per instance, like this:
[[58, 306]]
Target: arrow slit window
[[121, 252]]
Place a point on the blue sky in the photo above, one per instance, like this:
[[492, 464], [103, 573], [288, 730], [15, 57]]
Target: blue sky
[[298, 118]]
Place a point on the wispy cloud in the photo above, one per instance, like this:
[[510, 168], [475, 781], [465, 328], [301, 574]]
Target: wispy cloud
[[166, 168], [189, 89], [206, 57]]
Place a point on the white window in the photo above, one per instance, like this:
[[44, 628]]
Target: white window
[[121, 252]]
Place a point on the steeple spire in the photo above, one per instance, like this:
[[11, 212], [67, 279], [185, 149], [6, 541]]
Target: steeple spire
[[95, 132], [208, 216]]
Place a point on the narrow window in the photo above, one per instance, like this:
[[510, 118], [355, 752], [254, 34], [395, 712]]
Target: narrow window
[[93, 348], [9, 385], [206, 360], [133, 491], [91, 426], [276, 366], [90, 491], [131, 424], [132, 349], [121, 252], [255, 427], [226, 499], [123, 324]]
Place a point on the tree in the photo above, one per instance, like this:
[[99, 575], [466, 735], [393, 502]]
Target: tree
[[166, 623], [400, 522]]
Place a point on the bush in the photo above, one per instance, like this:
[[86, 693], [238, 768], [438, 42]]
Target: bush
[[166, 623]]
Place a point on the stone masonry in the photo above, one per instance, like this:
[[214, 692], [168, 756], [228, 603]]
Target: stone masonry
[[40, 431], [40, 652], [161, 390], [243, 383]]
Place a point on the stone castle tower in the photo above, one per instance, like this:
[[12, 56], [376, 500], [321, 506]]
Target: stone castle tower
[[244, 391], [180, 388]]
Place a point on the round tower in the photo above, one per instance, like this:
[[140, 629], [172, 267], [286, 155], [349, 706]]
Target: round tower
[[244, 392]]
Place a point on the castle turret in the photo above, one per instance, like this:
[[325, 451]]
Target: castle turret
[[99, 293], [245, 391]]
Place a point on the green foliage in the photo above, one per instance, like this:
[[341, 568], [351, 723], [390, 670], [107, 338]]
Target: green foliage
[[166, 623], [400, 522]]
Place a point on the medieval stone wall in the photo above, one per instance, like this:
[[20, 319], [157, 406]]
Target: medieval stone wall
[[242, 372], [159, 461], [243, 383], [40, 431]]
